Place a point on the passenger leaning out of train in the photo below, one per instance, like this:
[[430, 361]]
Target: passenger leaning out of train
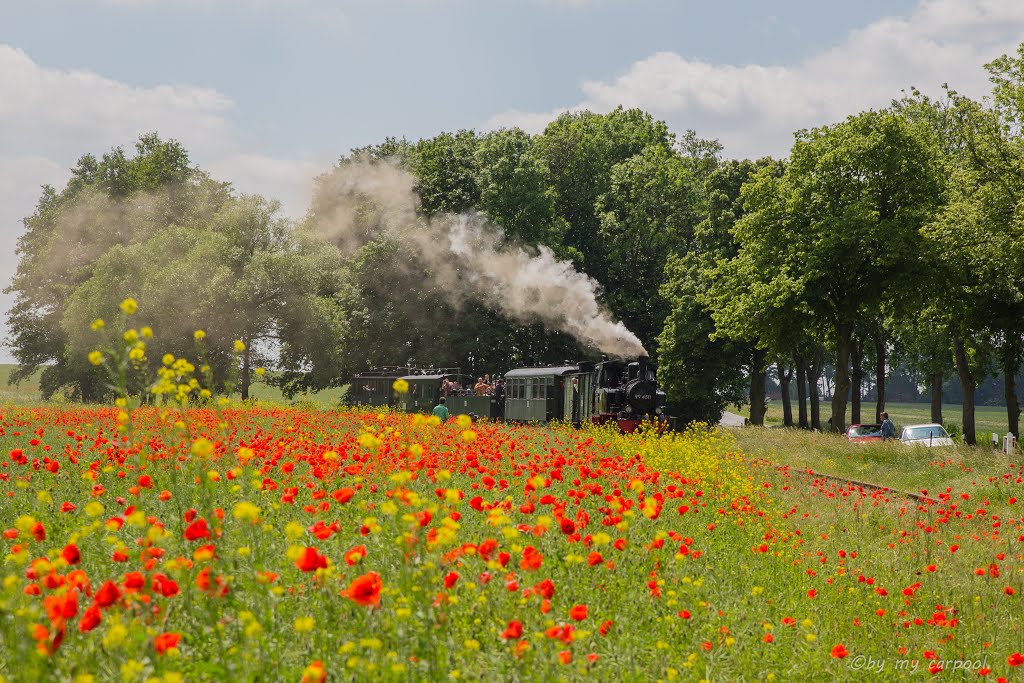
[[482, 388]]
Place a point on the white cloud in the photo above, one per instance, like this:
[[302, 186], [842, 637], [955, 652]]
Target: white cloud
[[754, 109], [49, 117]]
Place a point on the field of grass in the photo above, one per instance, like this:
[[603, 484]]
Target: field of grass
[[987, 418], [28, 392], [909, 468], [266, 543]]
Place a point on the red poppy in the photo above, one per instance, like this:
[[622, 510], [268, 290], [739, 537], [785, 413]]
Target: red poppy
[[545, 589], [166, 641], [71, 554], [1016, 659], [107, 595], [532, 559], [197, 530], [310, 560], [365, 590], [134, 581], [165, 586], [90, 619], [512, 631], [355, 555], [578, 612], [839, 651], [314, 673]]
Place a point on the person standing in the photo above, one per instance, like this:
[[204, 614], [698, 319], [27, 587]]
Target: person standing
[[888, 428], [441, 410], [499, 398]]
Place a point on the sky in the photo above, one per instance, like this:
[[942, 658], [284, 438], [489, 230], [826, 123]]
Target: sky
[[266, 94]]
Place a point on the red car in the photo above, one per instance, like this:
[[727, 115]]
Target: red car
[[864, 433]]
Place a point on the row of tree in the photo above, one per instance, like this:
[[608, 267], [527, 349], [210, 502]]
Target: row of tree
[[891, 237]]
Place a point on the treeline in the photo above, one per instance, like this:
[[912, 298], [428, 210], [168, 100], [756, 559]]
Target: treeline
[[891, 238]]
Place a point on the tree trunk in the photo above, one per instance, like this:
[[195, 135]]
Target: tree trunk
[[757, 384], [879, 377], [813, 376], [246, 361], [935, 389], [1011, 364], [801, 391], [785, 375], [844, 333], [968, 383], [856, 380]]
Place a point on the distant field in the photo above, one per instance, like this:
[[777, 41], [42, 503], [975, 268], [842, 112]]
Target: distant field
[[987, 418], [28, 391]]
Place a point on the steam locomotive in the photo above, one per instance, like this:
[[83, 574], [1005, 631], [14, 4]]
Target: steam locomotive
[[619, 391]]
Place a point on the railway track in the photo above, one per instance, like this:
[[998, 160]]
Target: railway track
[[867, 485]]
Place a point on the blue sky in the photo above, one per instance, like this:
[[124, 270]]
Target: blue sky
[[267, 93]]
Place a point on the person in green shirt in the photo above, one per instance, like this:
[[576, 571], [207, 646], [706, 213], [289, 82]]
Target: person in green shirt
[[441, 410]]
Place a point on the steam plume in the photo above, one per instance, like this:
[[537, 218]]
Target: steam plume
[[469, 257]]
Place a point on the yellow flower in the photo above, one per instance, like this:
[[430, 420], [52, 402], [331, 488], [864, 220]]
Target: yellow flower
[[199, 335], [239, 346], [168, 359], [97, 324], [245, 511], [202, 448], [304, 624], [469, 436], [465, 421], [260, 372], [131, 336], [146, 332], [115, 636], [96, 357], [400, 386], [129, 306]]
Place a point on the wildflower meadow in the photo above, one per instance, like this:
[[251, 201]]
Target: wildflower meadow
[[183, 538]]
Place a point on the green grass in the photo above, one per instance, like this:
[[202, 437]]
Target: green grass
[[987, 418], [909, 468], [28, 392]]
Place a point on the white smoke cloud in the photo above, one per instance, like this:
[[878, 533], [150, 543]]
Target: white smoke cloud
[[528, 285]]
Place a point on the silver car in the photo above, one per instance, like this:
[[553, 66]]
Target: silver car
[[925, 435]]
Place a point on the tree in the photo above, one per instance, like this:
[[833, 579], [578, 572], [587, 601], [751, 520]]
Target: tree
[[702, 368], [446, 168], [650, 211], [514, 191], [578, 151], [837, 229], [118, 200]]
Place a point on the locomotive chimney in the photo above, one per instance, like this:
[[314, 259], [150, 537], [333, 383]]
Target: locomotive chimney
[[642, 360]]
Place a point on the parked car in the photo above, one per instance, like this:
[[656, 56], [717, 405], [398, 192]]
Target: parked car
[[864, 433], [925, 435]]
